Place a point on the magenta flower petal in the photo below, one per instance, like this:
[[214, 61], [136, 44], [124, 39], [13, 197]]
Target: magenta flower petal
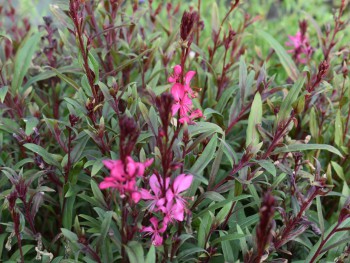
[[157, 240], [154, 184], [177, 91], [146, 195], [177, 70], [109, 163], [182, 183], [189, 76], [136, 196]]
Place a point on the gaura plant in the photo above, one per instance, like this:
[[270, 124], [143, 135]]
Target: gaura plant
[[171, 131]]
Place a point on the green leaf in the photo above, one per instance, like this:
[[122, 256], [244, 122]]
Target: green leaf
[[190, 251], [67, 79], [97, 193], [242, 78], [285, 59], [3, 92], [215, 20], [227, 248], [229, 237], [25, 249], [69, 235], [151, 255], [306, 147], [135, 252], [79, 148], [339, 170], [313, 124], [202, 127], [106, 224], [220, 204], [334, 238], [206, 157], [48, 157], [23, 59], [338, 130], [268, 166], [94, 66], [2, 241], [31, 123], [287, 104], [68, 212], [204, 228], [254, 119], [319, 213], [216, 164]]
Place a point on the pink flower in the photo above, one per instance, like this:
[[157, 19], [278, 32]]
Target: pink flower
[[188, 78], [180, 184], [302, 50], [183, 94], [176, 75], [182, 102], [189, 118], [173, 212], [123, 176], [155, 230], [156, 200]]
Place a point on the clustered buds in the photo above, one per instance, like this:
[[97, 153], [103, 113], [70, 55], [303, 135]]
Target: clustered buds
[[164, 105], [188, 22], [129, 132]]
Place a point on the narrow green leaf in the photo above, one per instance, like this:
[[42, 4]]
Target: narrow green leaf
[[151, 255], [287, 104], [3, 92], [205, 157], [243, 72], [307, 147], [229, 237], [67, 79], [135, 252], [48, 157], [94, 66], [319, 213], [254, 119], [220, 204], [23, 59], [285, 59], [69, 235], [215, 20], [339, 170], [268, 166], [227, 248], [338, 130]]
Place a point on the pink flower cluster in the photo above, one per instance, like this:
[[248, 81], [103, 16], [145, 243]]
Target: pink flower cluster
[[183, 95], [123, 176], [302, 50], [165, 198]]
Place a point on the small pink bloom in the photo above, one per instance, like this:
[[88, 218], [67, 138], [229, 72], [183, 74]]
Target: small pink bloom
[[174, 211], [156, 200], [155, 231], [136, 196], [123, 176], [189, 118], [182, 102], [180, 184], [176, 75], [302, 50]]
